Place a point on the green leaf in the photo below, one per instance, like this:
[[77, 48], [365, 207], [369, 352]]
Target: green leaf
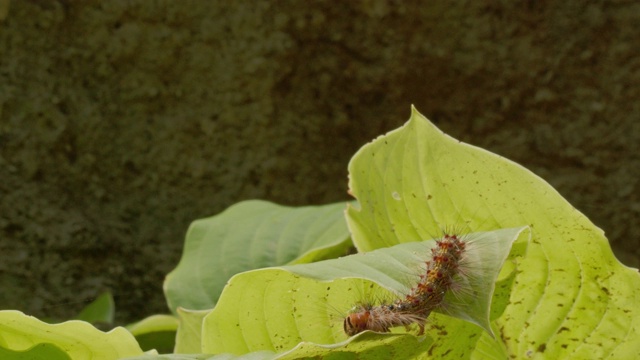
[[249, 235], [276, 309], [78, 339], [260, 355], [188, 339], [101, 310], [365, 346], [156, 332], [570, 298], [39, 352]]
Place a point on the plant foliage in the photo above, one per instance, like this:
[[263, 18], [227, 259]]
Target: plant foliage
[[246, 286]]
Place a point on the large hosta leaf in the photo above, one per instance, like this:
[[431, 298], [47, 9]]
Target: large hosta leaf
[[250, 235], [276, 309], [565, 297], [571, 298], [76, 339]]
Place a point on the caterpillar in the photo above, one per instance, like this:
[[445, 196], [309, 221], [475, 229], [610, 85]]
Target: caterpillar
[[428, 294]]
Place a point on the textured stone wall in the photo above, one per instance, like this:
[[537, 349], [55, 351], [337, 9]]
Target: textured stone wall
[[122, 121]]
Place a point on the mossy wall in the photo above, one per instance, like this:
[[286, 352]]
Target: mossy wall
[[122, 121]]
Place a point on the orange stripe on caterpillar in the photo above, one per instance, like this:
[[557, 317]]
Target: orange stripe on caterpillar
[[423, 298]]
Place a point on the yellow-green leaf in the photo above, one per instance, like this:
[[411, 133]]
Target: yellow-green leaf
[[571, 297], [277, 308], [188, 339], [78, 339]]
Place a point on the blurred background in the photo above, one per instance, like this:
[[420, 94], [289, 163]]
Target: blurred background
[[123, 121]]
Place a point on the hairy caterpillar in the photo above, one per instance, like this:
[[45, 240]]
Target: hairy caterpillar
[[442, 268]]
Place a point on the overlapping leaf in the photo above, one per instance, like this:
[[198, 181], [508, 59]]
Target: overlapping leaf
[[565, 297], [157, 332], [75, 339], [251, 235], [571, 297], [189, 336], [276, 309]]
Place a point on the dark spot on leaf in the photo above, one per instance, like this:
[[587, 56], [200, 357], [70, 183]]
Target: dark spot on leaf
[[606, 291], [564, 328], [542, 348]]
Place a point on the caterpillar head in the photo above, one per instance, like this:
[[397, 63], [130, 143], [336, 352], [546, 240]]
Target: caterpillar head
[[356, 322]]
